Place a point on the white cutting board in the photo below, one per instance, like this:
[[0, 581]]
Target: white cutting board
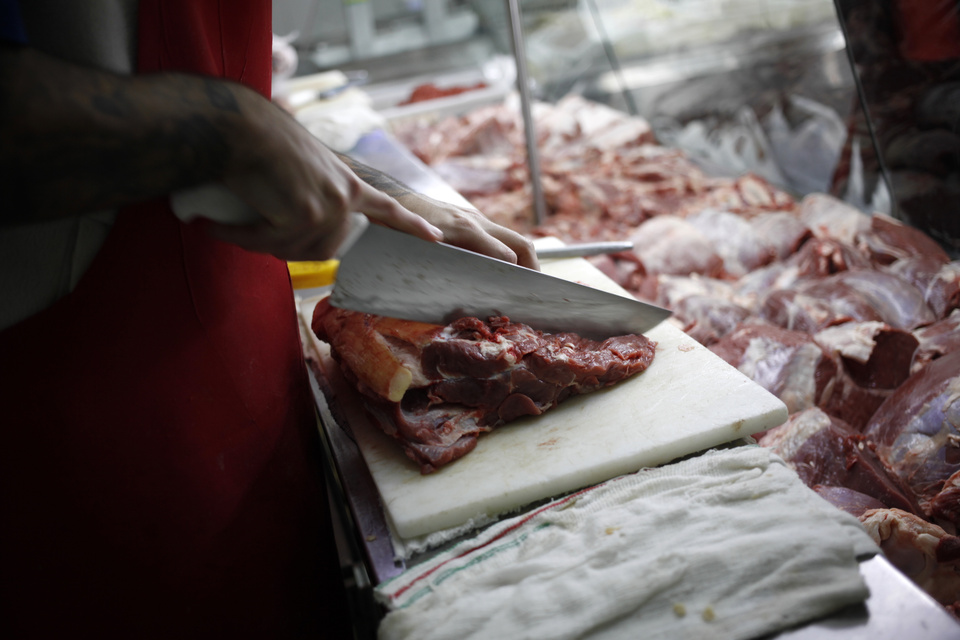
[[688, 400]]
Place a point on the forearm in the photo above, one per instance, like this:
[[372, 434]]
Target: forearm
[[75, 139], [376, 179]]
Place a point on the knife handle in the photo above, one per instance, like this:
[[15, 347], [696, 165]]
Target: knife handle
[[214, 202]]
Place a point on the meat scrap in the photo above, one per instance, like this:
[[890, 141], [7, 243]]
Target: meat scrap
[[436, 389]]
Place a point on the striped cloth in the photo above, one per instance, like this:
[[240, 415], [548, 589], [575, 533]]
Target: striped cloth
[[729, 544]]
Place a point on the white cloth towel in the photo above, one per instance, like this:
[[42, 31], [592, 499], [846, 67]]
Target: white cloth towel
[[729, 544]]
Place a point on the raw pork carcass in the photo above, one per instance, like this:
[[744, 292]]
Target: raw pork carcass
[[436, 389], [916, 432], [826, 451], [921, 550]]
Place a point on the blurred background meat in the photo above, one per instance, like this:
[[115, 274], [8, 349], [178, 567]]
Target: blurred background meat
[[853, 320]]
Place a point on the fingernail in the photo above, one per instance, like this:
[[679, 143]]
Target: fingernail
[[437, 233]]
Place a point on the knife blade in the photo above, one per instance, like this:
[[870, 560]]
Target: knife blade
[[390, 273]]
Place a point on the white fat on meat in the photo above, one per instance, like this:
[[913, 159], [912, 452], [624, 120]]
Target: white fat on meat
[[738, 243], [854, 340], [669, 244], [830, 218]]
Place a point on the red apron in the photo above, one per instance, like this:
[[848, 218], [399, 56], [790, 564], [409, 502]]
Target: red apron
[[160, 465]]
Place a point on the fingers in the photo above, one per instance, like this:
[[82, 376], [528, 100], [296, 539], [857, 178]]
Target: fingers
[[385, 210], [469, 229], [521, 246]]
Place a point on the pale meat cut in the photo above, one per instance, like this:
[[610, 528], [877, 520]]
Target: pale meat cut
[[436, 389]]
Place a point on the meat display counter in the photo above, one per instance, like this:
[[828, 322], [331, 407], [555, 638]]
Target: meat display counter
[[798, 163], [895, 608]]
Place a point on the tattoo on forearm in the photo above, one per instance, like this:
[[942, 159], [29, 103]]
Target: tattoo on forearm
[[377, 179], [96, 140], [220, 96]]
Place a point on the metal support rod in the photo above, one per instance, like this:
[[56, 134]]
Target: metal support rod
[[530, 133]]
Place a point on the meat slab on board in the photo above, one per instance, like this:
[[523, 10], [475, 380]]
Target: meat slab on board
[[436, 389]]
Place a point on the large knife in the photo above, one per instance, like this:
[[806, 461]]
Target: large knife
[[394, 274], [390, 273]]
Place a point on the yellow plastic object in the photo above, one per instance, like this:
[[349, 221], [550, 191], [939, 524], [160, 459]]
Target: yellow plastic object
[[307, 275]]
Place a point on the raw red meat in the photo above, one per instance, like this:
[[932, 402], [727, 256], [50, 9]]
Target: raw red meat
[[436, 389], [738, 243], [853, 295], [832, 219], [939, 282], [921, 550], [853, 502], [876, 355], [788, 364], [707, 319], [888, 240], [782, 230], [846, 289], [430, 91], [821, 257], [916, 432], [937, 340], [874, 360], [816, 305], [826, 451]]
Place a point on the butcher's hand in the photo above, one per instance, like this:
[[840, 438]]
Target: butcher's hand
[[463, 227], [303, 190], [306, 193]]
